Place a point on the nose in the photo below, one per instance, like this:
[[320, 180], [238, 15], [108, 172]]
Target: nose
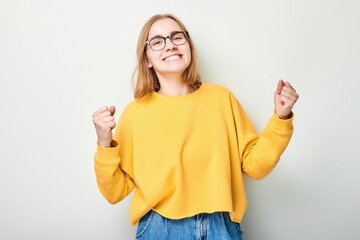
[[169, 44]]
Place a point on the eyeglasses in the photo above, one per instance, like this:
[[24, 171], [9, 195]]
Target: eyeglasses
[[158, 43]]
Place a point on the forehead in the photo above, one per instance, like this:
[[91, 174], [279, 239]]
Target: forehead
[[164, 27]]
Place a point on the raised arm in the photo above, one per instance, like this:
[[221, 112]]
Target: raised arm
[[259, 154], [113, 179]]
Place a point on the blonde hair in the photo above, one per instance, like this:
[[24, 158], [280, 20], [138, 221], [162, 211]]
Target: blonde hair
[[145, 78]]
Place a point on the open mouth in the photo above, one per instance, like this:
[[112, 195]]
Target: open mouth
[[172, 57]]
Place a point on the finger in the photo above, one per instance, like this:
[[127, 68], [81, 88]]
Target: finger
[[102, 109], [112, 124], [288, 85], [291, 94], [279, 86], [288, 92], [106, 125], [112, 110], [109, 126], [99, 117], [288, 101], [102, 114], [107, 119]]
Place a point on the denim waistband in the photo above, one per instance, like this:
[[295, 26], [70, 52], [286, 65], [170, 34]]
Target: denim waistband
[[202, 226]]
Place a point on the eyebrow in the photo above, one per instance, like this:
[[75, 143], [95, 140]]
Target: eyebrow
[[156, 36]]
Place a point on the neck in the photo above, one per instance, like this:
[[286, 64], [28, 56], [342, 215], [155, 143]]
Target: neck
[[173, 87]]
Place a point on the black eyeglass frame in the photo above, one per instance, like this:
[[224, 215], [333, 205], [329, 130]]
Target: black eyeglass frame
[[186, 34]]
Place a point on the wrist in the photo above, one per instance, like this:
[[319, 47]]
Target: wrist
[[104, 144], [285, 117]]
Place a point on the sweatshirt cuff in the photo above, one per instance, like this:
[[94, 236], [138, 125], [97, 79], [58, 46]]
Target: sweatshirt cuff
[[108, 152], [283, 125]]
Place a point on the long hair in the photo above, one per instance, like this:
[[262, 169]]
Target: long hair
[[145, 78]]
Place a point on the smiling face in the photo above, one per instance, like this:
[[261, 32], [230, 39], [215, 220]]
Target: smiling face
[[172, 60]]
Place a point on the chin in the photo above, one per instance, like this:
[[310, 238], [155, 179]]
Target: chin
[[173, 69]]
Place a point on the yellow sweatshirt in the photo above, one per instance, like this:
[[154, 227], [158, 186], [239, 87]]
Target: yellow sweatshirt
[[185, 155]]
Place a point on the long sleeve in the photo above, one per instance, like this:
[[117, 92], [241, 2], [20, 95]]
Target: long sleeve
[[113, 166], [260, 153], [186, 154]]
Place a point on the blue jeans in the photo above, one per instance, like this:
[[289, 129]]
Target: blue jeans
[[213, 226]]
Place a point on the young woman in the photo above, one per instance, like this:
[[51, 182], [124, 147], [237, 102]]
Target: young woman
[[183, 144]]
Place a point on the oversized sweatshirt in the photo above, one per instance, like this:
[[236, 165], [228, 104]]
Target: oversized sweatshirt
[[185, 155]]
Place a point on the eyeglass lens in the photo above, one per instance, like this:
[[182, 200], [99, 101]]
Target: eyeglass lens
[[158, 43]]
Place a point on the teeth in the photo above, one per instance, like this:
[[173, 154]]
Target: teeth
[[172, 57]]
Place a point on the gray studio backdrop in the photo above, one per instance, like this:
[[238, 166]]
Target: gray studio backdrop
[[61, 60]]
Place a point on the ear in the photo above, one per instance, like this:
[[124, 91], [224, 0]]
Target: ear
[[149, 63]]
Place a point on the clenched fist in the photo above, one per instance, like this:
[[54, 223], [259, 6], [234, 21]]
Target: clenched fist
[[284, 98], [104, 122]]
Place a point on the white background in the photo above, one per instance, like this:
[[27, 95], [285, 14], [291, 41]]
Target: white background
[[61, 60]]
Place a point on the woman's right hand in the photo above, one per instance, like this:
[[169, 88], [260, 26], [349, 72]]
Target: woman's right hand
[[104, 122]]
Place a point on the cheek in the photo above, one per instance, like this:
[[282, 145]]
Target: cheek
[[188, 53], [153, 55], [150, 59]]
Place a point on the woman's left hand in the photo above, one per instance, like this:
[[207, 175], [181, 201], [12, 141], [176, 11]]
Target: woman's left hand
[[285, 98]]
